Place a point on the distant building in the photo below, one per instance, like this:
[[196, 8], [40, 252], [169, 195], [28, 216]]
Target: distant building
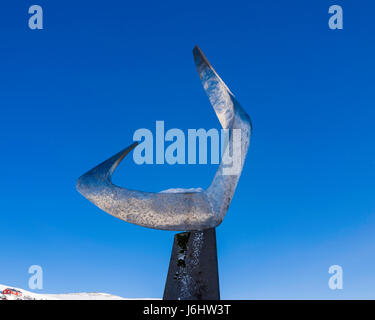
[[13, 292]]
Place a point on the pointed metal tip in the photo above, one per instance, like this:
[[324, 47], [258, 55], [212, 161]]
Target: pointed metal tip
[[124, 152], [196, 48], [199, 58], [103, 171]]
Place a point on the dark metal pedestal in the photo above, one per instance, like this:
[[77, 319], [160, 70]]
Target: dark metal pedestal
[[193, 272]]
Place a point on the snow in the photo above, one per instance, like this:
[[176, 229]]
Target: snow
[[85, 296], [181, 190], [28, 295]]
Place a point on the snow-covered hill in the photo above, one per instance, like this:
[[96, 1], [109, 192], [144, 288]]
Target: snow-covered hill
[[27, 295]]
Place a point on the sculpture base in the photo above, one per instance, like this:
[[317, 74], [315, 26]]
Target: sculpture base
[[193, 271]]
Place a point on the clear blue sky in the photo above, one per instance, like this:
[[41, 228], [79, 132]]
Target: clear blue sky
[[73, 94]]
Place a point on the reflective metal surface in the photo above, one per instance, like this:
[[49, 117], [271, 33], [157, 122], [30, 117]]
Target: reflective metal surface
[[181, 210]]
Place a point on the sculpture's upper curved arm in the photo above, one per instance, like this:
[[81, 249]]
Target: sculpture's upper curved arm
[[179, 210]]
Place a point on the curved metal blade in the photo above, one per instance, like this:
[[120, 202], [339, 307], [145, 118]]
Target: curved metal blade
[[180, 210]]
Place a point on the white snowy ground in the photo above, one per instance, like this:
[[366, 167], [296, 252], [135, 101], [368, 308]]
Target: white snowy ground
[[27, 295]]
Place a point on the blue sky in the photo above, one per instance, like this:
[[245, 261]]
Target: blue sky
[[73, 94]]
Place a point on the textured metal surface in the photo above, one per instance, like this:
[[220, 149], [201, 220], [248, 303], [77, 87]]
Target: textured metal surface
[[180, 210], [193, 272]]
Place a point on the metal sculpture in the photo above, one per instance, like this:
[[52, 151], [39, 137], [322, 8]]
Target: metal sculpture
[[181, 210], [184, 210]]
